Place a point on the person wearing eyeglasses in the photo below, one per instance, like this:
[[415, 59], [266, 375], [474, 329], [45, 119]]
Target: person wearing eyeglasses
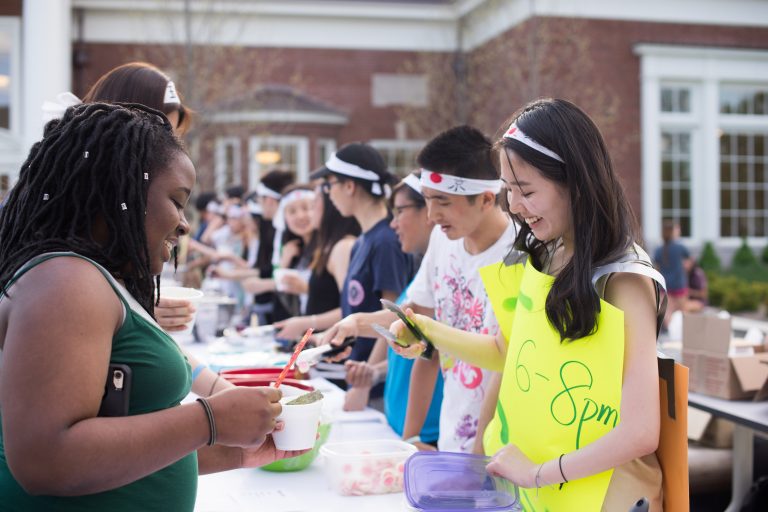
[[357, 182]]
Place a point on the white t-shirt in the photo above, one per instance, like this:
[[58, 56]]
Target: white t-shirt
[[448, 281]]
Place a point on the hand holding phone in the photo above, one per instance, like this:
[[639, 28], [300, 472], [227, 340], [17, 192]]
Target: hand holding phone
[[411, 325]]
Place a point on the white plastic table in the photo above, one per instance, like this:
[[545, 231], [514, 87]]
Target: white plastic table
[[300, 491]]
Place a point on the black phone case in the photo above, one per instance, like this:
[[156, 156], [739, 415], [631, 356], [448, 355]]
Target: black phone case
[[117, 391]]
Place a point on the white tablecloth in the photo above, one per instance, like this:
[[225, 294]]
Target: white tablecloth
[[301, 491]]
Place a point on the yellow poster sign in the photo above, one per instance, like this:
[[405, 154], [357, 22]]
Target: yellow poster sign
[[555, 397]]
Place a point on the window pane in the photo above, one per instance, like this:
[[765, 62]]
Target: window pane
[[758, 226], [676, 176], [725, 199], [743, 172], [760, 172], [685, 199], [685, 143], [685, 226], [666, 144], [725, 144], [666, 100], [685, 100], [666, 171], [742, 201], [743, 99], [725, 226], [744, 196]]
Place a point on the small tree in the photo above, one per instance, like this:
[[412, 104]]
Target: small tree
[[746, 265], [709, 261]]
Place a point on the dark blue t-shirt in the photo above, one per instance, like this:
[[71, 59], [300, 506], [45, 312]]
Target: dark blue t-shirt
[[669, 260], [376, 264]]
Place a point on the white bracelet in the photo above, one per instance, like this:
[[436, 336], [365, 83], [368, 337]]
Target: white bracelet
[[413, 439]]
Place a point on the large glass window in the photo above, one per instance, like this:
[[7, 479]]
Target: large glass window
[[675, 99], [286, 152], [743, 184], [744, 100], [676, 179]]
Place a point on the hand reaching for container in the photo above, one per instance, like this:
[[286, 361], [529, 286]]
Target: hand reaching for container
[[511, 463]]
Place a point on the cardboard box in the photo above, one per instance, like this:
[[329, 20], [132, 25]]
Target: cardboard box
[[715, 370], [708, 430]]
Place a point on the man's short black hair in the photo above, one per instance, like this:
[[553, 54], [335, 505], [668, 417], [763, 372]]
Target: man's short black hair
[[460, 151]]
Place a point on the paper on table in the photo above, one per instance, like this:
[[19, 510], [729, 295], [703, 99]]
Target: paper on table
[[274, 500]]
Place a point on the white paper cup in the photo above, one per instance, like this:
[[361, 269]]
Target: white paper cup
[[179, 292], [279, 273], [301, 422]]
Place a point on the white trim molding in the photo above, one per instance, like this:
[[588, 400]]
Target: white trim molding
[[277, 116], [403, 25]]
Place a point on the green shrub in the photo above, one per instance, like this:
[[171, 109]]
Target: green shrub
[[744, 257], [709, 261], [764, 255]]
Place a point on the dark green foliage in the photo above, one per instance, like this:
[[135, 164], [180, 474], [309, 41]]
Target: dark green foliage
[[709, 261]]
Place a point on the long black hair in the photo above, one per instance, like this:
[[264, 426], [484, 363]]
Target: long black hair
[[333, 227], [604, 225], [90, 173]]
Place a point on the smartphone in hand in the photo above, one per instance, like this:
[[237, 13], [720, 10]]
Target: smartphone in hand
[[417, 333]]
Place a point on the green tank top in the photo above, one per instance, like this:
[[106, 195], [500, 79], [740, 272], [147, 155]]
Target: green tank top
[[161, 379]]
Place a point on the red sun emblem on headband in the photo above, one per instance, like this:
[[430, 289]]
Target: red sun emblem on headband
[[435, 178], [512, 130]]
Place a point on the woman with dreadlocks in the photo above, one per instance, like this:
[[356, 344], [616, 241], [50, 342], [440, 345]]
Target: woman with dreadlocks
[[97, 210]]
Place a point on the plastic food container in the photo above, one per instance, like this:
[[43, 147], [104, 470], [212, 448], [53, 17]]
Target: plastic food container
[[443, 481], [366, 467]]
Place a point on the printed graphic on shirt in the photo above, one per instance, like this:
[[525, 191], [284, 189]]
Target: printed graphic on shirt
[[355, 293]]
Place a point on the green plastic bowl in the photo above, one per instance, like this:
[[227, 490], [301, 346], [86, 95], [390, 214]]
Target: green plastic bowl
[[304, 460]]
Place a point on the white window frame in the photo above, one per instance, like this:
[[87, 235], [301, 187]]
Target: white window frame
[[329, 146], [255, 169], [412, 145], [706, 68], [220, 163]]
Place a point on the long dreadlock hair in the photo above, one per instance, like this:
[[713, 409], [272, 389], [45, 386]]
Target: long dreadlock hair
[[91, 170]]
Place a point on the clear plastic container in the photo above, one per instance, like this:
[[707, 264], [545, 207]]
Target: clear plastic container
[[366, 467], [443, 481]]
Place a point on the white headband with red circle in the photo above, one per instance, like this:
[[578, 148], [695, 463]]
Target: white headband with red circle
[[457, 185], [514, 132]]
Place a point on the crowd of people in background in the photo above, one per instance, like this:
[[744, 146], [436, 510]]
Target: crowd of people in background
[[321, 255]]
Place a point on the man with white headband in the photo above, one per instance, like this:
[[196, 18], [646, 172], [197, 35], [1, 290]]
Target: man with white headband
[[460, 185]]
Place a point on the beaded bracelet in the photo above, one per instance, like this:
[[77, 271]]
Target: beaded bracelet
[[211, 422]]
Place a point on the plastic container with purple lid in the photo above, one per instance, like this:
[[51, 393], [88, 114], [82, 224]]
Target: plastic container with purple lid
[[443, 482]]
